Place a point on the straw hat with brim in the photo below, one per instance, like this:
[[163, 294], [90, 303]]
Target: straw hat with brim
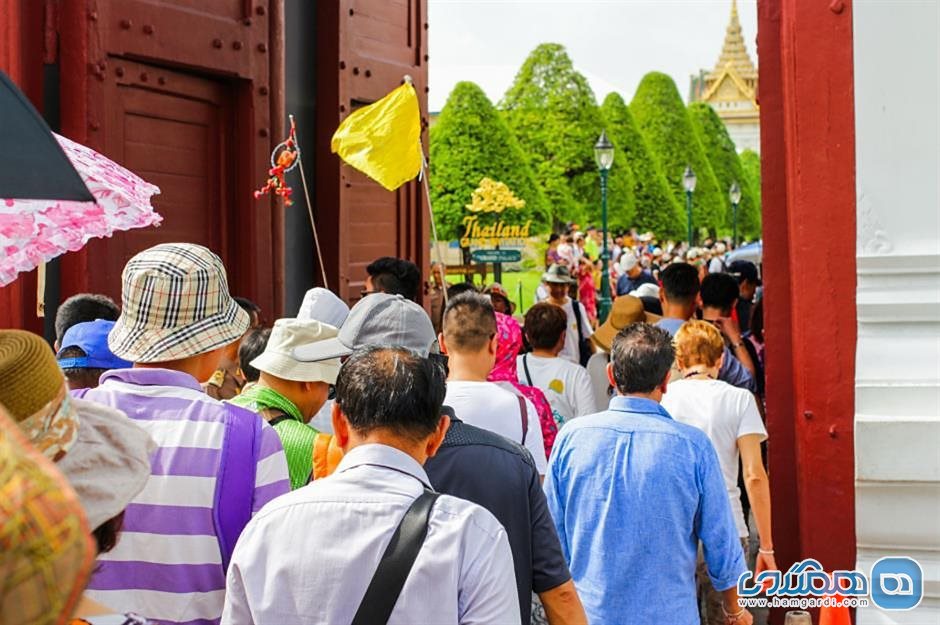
[[33, 389], [175, 304], [625, 310], [110, 464], [557, 274], [278, 356]]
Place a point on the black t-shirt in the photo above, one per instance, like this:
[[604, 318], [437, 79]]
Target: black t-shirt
[[500, 475]]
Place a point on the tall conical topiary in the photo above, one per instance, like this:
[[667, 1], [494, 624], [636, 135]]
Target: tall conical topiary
[[750, 162], [469, 142], [656, 207], [553, 113], [721, 153], [664, 122]]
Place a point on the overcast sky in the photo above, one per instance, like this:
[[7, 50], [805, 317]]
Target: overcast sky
[[612, 42]]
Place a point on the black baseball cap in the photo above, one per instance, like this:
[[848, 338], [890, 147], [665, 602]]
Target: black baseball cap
[[745, 270]]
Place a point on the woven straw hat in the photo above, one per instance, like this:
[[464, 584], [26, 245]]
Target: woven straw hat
[[175, 304], [34, 391], [625, 310]]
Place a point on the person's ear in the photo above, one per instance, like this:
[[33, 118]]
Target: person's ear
[[560, 343], [721, 360], [441, 343], [494, 344], [665, 383], [340, 427], [662, 296], [436, 439], [610, 374]]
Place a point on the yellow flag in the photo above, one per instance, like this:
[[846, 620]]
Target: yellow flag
[[382, 140]]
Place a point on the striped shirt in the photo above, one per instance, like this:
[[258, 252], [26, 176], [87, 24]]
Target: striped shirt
[[167, 565]]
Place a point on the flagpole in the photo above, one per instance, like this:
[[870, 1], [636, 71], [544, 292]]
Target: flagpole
[[427, 192], [313, 224]]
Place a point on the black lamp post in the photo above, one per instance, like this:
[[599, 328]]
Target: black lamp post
[[735, 194], [688, 181], [604, 155]]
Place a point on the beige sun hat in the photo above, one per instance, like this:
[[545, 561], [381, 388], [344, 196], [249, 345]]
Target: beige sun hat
[[278, 360], [175, 304], [110, 462]]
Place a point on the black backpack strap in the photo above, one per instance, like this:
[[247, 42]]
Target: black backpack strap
[[278, 419], [525, 366], [577, 316], [524, 413], [383, 591]]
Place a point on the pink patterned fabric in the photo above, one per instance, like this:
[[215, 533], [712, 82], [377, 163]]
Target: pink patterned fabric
[[35, 231], [509, 342]]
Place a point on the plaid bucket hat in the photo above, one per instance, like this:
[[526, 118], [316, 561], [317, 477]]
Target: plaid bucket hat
[[175, 304]]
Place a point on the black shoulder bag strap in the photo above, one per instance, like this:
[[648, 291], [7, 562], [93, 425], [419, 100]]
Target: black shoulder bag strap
[[524, 414], [383, 591], [577, 315], [525, 366]]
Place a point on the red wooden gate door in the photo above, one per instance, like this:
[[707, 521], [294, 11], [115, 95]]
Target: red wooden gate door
[[182, 93], [172, 129]]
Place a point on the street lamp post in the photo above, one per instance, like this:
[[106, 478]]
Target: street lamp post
[[735, 194], [688, 181], [604, 155]]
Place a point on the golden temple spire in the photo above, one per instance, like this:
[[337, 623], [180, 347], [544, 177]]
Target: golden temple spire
[[733, 51]]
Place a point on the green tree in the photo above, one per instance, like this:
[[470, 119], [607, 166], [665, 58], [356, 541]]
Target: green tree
[[664, 122], [656, 207], [750, 161], [469, 142], [553, 113], [721, 153]]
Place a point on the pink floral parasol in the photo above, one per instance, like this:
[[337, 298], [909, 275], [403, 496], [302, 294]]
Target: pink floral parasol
[[35, 231]]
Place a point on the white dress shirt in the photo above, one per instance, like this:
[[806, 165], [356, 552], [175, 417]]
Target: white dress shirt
[[308, 556]]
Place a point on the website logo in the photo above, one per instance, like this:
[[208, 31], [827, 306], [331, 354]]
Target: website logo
[[897, 583]]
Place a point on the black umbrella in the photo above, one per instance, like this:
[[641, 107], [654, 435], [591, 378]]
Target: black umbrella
[[32, 164]]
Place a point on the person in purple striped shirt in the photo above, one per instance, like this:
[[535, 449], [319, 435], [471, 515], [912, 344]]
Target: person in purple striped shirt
[[215, 464]]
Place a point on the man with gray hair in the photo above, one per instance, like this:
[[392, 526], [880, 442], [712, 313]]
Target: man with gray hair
[[652, 469]]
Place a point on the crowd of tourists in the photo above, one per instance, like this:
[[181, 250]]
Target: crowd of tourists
[[181, 459]]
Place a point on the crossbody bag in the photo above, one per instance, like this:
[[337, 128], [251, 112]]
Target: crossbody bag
[[396, 563]]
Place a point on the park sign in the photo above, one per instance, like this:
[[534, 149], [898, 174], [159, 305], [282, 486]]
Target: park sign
[[496, 256], [493, 197]]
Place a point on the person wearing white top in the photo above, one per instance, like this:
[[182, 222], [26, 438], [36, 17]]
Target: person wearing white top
[[566, 385], [469, 339], [558, 279], [730, 418], [387, 419]]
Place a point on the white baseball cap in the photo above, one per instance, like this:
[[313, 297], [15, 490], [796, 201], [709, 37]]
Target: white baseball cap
[[628, 261], [325, 306]]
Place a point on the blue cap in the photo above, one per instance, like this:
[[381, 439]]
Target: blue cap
[[92, 338]]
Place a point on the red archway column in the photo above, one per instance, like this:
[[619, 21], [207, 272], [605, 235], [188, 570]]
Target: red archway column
[[808, 198], [21, 56]]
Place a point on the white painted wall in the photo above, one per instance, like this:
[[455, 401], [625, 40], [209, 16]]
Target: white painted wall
[[745, 136], [897, 380]]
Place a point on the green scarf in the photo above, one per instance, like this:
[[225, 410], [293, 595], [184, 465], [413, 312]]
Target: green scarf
[[296, 436], [258, 398]]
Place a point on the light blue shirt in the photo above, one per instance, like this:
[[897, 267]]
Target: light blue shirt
[[308, 556], [632, 492], [732, 371]]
